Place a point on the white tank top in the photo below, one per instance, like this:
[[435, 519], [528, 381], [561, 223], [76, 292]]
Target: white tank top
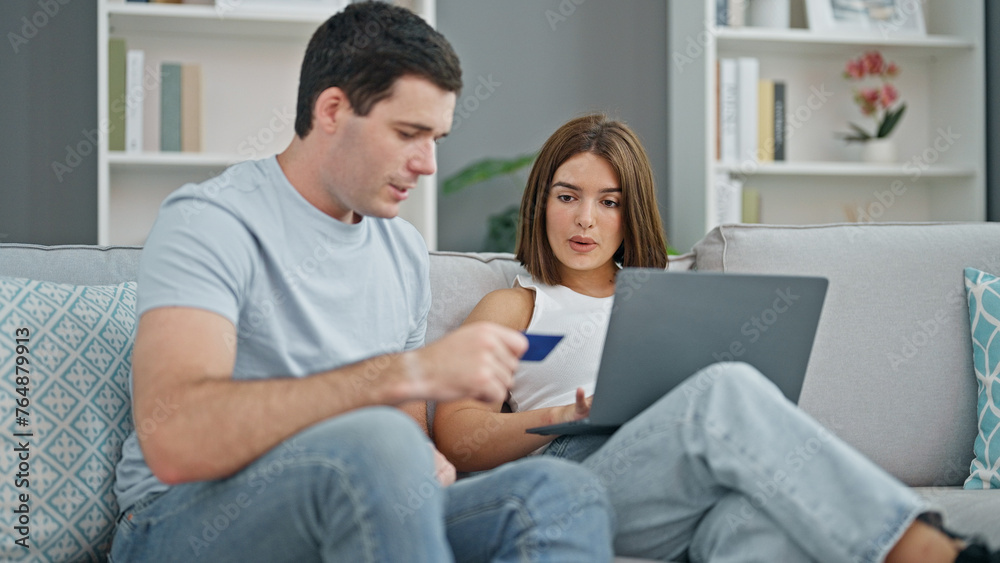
[[583, 322]]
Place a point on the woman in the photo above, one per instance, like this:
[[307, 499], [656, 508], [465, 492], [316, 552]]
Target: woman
[[704, 472]]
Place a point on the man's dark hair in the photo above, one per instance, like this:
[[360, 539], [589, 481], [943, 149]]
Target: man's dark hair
[[364, 49]]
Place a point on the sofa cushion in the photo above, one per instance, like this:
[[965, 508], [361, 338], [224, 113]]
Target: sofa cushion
[[984, 316], [72, 392], [891, 368]]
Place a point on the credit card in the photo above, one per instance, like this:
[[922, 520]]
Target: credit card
[[539, 346]]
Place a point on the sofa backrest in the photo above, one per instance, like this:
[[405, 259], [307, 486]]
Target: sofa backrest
[[891, 370], [459, 280], [76, 264]]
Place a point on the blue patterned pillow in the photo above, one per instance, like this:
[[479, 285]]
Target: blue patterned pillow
[[63, 425], [983, 291]]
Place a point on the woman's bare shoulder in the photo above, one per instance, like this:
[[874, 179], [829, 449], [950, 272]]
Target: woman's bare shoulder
[[510, 307]]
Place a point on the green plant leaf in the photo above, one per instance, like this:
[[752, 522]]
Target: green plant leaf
[[890, 121], [483, 170], [501, 230], [859, 134]]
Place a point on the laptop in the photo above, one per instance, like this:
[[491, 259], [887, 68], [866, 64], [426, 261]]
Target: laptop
[[666, 326]]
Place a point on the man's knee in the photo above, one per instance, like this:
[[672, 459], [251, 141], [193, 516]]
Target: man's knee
[[384, 434]]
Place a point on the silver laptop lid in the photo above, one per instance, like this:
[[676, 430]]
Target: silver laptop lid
[[666, 326]]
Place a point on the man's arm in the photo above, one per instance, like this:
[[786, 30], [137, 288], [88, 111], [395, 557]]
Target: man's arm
[[216, 425]]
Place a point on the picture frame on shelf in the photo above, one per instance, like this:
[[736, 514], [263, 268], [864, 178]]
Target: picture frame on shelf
[[880, 18]]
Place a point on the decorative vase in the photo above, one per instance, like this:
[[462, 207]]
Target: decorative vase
[[879, 151], [769, 13]]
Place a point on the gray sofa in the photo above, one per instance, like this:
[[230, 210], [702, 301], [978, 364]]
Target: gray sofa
[[910, 407]]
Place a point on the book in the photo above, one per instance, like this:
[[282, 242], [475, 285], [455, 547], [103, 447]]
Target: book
[[780, 123], [728, 121], [751, 205], [170, 107], [748, 74], [727, 201], [718, 116], [765, 120], [135, 95], [737, 13], [191, 108], [116, 94]]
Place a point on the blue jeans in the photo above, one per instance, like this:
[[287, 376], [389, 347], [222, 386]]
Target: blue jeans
[[361, 487], [724, 468]]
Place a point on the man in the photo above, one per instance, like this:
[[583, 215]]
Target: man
[[281, 304]]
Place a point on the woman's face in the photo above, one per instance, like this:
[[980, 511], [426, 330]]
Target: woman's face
[[584, 215]]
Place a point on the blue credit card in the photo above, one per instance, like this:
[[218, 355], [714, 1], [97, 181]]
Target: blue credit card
[[539, 346]]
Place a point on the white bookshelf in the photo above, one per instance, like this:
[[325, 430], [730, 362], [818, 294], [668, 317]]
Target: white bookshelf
[[822, 180], [250, 64]]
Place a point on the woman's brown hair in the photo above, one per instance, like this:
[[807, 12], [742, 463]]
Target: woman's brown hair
[[644, 245]]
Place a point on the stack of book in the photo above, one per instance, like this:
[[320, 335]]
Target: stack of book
[[751, 114], [129, 80], [751, 128], [734, 202]]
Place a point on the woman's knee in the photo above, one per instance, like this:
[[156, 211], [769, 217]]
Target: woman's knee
[[737, 377], [568, 484]]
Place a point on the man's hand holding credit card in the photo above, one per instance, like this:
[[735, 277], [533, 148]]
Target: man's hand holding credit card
[[539, 346]]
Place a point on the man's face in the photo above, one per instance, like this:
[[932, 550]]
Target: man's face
[[382, 154]]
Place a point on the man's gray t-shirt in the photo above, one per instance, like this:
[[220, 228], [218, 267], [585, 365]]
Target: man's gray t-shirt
[[307, 293]]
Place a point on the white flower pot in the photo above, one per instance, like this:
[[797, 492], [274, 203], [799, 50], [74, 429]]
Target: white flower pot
[[879, 151]]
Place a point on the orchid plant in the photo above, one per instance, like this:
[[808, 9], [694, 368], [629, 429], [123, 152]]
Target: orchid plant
[[878, 102]]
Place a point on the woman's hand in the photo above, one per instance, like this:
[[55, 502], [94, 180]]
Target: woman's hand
[[578, 410], [443, 469]]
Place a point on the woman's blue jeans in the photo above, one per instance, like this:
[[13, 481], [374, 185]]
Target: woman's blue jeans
[[361, 488], [724, 468]]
